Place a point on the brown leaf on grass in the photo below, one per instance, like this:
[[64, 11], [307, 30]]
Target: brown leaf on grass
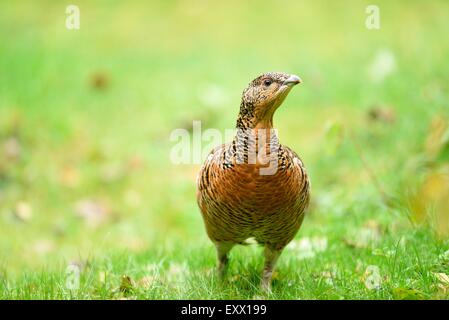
[[442, 291], [442, 287], [379, 113], [94, 212], [99, 80], [372, 278], [442, 277], [126, 285]]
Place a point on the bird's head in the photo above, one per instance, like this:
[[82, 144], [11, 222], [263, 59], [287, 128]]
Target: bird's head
[[262, 97]]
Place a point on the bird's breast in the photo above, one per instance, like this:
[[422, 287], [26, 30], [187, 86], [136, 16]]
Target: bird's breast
[[245, 190]]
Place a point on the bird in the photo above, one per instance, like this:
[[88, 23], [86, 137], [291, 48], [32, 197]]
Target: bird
[[254, 188]]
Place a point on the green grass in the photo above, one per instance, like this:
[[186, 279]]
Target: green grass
[[169, 63]]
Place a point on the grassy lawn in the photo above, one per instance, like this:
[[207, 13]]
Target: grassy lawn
[[86, 182]]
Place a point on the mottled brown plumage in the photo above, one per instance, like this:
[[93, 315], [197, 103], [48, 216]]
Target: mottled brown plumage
[[254, 187]]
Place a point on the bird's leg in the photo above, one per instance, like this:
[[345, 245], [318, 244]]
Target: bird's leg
[[223, 249], [271, 257]]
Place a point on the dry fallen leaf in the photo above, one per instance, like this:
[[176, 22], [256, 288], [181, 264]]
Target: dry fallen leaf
[[442, 291], [372, 278], [126, 285], [382, 114], [442, 277], [99, 80]]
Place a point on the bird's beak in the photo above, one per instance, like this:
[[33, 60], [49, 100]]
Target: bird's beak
[[292, 81]]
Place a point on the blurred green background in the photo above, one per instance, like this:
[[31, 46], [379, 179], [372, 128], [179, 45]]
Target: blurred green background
[[86, 115]]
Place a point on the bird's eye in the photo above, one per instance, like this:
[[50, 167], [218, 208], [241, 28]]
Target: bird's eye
[[267, 82]]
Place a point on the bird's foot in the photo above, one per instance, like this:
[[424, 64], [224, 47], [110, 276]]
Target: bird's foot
[[266, 287], [222, 268], [221, 272], [222, 253]]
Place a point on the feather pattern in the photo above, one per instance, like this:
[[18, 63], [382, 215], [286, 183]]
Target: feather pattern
[[236, 199]]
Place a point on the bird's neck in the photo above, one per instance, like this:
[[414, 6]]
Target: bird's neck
[[254, 133], [248, 119]]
